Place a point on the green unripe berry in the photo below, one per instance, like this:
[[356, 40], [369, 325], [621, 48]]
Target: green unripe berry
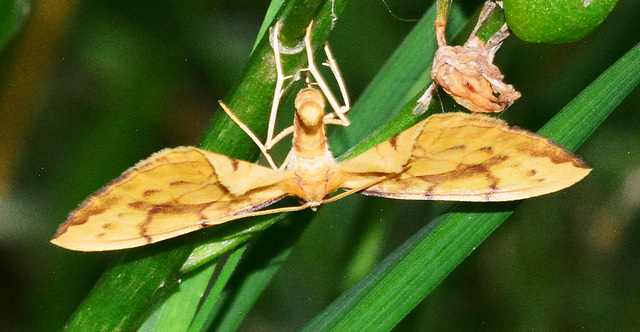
[[555, 21]]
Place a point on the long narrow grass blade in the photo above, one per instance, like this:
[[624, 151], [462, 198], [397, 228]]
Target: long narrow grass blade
[[202, 320]]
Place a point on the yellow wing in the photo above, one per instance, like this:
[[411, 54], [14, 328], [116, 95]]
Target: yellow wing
[[173, 192], [464, 157]]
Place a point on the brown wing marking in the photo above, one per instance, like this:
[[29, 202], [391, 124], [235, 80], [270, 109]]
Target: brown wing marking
[[173, 192], [387, 157], [472, 157]]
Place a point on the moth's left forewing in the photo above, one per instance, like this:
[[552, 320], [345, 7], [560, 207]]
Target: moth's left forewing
[[465, 157]]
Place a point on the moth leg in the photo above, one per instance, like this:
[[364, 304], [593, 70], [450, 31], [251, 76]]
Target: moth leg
[[277, 95], [277, 210], [279, 90], [313, 69], [333, 65], [339, 110], [248, 131], [280, 78], [350, 191], [284, 133]]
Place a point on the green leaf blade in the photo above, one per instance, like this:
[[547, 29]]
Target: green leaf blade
[[407, 276]]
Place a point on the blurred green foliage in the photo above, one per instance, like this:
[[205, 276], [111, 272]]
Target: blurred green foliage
[[12, 15], [118, 80]]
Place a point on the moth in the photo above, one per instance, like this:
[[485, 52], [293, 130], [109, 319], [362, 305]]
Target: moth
[[450, 156]]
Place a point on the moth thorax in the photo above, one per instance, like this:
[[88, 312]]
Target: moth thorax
[[309, 109], [315, 179]]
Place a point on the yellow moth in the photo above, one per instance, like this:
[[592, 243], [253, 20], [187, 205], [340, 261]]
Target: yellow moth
[[451, 156]]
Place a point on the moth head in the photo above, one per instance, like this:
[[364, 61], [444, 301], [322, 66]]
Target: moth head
[[309, 107]]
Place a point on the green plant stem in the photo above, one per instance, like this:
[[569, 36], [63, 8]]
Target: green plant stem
[[142, 278]]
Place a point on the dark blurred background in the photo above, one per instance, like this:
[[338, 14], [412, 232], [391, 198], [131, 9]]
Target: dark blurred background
[[87, 88]]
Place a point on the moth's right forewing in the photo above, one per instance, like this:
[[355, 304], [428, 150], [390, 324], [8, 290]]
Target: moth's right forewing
[[173, 192], [389, 156]]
